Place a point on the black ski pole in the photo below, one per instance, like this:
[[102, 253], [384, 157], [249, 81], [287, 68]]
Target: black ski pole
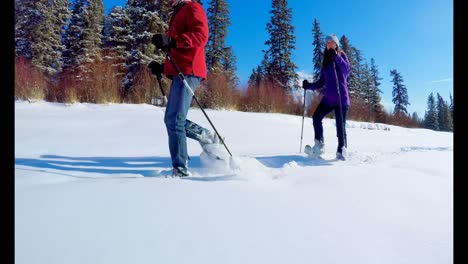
[[162, 91], [303, 116], [157, 69], [182, 78], [341, 107]]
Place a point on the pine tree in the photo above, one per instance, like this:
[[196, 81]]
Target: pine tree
[[356, 81], [256, 78], [370, 93], [164, 11], [416, 118], [60, 15], [27, 17], [40, 45], [38, 31], [264, 64], [367, 89], [218, 23], [375, 75], [319, 47], [252, 77], [281, 68], [351, 53], [73, 34], [346, 47], [399, 93], [116, 34], [431, 117], [91, 34], [83, 36], [375, 104], [451, 106], [444, 118], [145, 22], [229, 66], [220, 58]]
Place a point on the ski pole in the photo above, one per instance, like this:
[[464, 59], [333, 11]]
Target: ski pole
[[157, 69], [303, 116], [162, 91], [341, 107], [182, 78]]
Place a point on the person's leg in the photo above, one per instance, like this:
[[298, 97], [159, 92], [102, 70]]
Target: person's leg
[[175, 117], [209, 141], [198, 133], [341, 127], [321, 111], [319, 143]]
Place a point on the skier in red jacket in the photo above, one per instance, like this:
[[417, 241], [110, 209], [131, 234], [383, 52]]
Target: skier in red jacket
[[185, 42]]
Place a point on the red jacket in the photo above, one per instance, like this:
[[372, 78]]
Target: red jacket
[[189, 28]]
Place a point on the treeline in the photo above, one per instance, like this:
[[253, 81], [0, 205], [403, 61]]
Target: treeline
[[70, 51], [439, 114]]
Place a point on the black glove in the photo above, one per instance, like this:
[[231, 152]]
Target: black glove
[[163, 42], [305, 83], [332, 53], [156, 68]]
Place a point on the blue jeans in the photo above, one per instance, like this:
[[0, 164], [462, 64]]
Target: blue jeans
[[175, 118], [321, 111]]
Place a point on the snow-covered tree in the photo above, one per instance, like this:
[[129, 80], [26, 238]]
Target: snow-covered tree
[[444, 117], [356, 79], [164, 10], [399, 93], [116, 34], [38, 31], [220, 59], [451, 106], [415, 118], [256, 77], [73, 34], [431, 117], [374, 99], [348, 49], [218, 23], [229, 66], [145, 22], [92, 32], [280, 45], [367, 89], [83, 35], [319, 46], [27, 17]]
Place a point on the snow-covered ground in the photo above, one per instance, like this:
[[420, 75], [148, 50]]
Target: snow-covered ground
[[87, 191]]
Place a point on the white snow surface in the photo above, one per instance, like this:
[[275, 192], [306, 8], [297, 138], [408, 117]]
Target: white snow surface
[[88, 189]]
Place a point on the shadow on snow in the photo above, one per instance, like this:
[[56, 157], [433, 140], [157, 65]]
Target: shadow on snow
[[145, 166]]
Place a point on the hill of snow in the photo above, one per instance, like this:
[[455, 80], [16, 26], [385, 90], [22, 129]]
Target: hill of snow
[[87, 191]]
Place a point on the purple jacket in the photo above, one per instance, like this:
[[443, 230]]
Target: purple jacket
[[328, 81]]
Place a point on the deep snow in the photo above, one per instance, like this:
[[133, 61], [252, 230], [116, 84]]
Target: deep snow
[[86, 191]]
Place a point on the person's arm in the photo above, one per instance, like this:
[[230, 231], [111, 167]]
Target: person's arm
[[197, 31], [316, 85], [343, 63]]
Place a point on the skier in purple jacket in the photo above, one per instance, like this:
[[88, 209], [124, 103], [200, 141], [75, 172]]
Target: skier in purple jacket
[[335, 66]]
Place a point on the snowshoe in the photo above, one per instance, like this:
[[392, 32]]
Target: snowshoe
[[316, 151]]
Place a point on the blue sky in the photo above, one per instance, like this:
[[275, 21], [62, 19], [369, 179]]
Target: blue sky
[[415, 37]]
